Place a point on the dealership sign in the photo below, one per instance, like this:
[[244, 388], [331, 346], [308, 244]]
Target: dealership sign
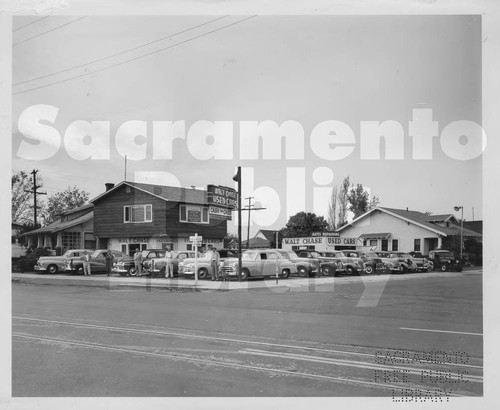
[[222, 196], [216, 212], [323, 242]]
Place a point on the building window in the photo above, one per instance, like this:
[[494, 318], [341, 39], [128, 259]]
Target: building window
[[385, 245], [137, 213], [193, 214], [416, 245], [71, 240], [395, 245]]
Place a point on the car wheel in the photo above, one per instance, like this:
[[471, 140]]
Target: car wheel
[[202, 273], [350, 270], [302, 271], [369, 269], [285, 273], [245, 274], [404, 269], [444, 267], [52, 269], [133, 271], [79, 270], [327, 271]]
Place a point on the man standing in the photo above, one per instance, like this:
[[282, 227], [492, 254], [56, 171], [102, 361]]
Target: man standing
[[86, 263], [169, 267], [109, 262], [138, 262], [215, 263]]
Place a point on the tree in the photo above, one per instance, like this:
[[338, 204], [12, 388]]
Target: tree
[[333, 208], [303, 224], [64, 201], [343, 202], [359, 200], [22, 198]]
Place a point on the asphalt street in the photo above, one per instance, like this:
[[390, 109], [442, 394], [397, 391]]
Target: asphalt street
[[421, 335]]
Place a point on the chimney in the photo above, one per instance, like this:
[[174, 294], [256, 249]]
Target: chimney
[[109, 186]]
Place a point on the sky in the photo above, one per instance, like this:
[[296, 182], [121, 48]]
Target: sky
[[312, 71]]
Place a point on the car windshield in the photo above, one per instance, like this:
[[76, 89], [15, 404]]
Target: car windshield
[[339, 254], [371, 255], [288, 254], [95, 254]]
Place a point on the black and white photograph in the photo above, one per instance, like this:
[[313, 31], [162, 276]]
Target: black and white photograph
[[249, 206]]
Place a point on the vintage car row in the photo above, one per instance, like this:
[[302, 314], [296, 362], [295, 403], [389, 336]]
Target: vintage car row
[[336, 262]]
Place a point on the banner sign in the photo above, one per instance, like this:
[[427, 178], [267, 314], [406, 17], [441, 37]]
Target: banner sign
[[222, 196], [327, 233], [216, 212]]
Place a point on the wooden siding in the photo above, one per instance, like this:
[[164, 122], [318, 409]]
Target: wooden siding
[[108, 218]]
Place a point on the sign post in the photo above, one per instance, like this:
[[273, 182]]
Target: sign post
[[196, 241]]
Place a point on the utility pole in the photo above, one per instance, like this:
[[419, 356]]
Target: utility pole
[[249, 209], [35, 193]]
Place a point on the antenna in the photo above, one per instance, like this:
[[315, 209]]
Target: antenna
[[125, 168]]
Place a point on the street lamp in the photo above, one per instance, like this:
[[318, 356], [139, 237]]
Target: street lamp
[[458, 208]]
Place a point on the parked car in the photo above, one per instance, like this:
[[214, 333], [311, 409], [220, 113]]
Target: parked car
[[423, 264], [445, 260], [350, 265], [391, 262], [405, 260], [156, 266], [328, 265], [372, 262], [97, 262], [54, 264], [306, 266], [205, 270], [260, 262], [125, 265]]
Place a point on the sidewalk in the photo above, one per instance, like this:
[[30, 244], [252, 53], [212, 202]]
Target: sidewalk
[[281, 285]]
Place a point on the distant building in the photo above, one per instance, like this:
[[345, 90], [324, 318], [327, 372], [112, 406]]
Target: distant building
[[73, 230]]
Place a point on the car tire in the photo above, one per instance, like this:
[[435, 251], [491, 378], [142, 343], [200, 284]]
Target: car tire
[[327, 271], [133, 271], [350, 270], [404, 269], [202, 273], [444, 267], [302, 271], [285, 273], [245, 274], [369, 270], [79, 270], [52, 269]]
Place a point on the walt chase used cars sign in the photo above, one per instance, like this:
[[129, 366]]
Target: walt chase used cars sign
[[221, 201]]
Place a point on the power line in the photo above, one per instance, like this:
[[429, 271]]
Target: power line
[[133, 59], [29, 24], [48, 31], [120, 53]]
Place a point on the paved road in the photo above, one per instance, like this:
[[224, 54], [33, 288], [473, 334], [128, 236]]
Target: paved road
[[423, 336]]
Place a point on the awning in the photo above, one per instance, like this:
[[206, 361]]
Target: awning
[[384, 235]]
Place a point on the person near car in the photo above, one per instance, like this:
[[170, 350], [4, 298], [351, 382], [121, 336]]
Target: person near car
[[169, 266], [86, 264], [215, 260], [138, 261], [109, 262]]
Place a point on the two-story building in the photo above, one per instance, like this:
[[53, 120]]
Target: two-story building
[[131, 215]]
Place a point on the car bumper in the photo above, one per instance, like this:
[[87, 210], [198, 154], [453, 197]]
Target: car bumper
[[38, 268]]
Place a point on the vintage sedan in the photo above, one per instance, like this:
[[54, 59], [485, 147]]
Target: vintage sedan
[[373, 263], [348, 265], [205, 270], [54, 264], [97, 262], [306, 266], [391, 263], [405, 260], [259, 262], [125, 265], [445, 260], [156, 266], [328, 265]]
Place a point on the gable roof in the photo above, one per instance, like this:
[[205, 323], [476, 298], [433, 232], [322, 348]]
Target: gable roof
[[416, 218], [166, 193], [268, 234]]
